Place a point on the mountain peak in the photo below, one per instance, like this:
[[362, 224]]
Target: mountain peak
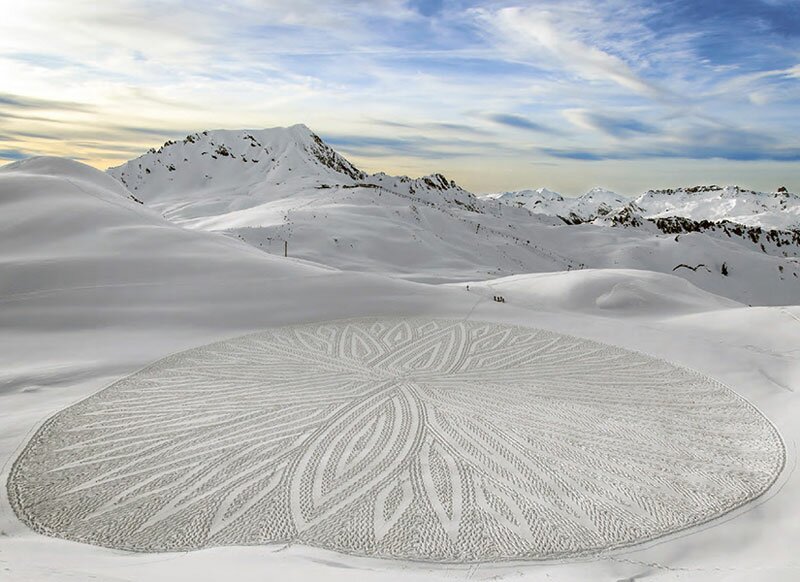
[[603, 197], [599, 190], [548, 194], [210, 159]]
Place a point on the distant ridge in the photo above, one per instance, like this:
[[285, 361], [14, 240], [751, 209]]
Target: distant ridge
[[778, 210]]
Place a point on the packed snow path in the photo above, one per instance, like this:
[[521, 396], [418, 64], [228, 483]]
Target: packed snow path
[[443, 441]]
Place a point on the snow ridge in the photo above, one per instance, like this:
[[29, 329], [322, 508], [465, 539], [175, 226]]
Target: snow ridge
[[779, 210], [284, 188]]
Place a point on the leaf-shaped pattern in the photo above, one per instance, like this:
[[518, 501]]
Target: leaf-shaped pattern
[[391, 503], [358, 449], [424, 439], [441, 480], [503, 509]]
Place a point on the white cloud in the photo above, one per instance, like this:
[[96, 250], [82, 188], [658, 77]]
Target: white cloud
[[530, 32]]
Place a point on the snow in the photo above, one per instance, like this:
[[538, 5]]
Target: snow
[[429, 229], [412, 438], [96, 286], [529, 198], [769, 210], [78, 255], [597, 201], [605, 292]]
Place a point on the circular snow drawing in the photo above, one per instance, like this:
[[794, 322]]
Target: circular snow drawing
[[420, 439]]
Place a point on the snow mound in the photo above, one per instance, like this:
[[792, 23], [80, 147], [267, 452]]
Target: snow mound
[[618, 292], [79, 176], [76, 252]]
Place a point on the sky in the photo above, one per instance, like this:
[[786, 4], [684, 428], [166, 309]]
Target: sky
[[628, 95]]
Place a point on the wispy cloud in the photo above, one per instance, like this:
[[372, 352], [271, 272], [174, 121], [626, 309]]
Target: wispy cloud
[[434, 126], [527, 86], [529, 32], [730, 153], [9, 102], [520, 122], [414, 146], [615, 125], [705, 140]]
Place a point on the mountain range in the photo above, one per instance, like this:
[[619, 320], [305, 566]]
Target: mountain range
[[285, 190], [779, 210]]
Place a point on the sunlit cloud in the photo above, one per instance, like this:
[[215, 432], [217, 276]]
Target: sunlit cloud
[[536, 93], [540, 35]]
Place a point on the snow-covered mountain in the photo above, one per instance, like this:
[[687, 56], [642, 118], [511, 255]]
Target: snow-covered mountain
[[285, 186], [779, 210], [77, 253], [527, 198], [595, 202]]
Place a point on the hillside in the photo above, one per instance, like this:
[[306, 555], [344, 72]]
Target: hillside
[[284, 186], [77, 251], [273, 186], [605, 292]]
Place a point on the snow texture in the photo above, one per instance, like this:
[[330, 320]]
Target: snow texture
[[419, 439]]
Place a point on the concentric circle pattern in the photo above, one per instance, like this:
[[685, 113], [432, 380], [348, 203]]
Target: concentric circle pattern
[[445, 441]]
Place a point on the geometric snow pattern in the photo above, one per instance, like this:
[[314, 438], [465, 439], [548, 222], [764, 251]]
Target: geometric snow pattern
[[420, 439]]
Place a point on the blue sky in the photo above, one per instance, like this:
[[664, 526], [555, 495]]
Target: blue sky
[[497, 95]]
